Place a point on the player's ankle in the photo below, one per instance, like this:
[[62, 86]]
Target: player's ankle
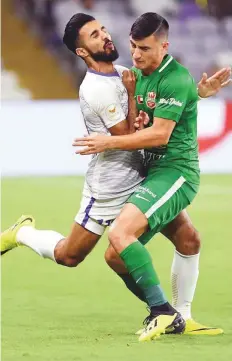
[[166, 308]]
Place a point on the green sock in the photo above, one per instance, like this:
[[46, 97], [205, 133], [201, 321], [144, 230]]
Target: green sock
[[132, 286], [139, 264]]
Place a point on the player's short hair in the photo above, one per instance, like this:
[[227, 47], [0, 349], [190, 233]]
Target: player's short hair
[[148, 24], [72, 30]]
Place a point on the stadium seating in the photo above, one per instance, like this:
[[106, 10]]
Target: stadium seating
[[199, 41]]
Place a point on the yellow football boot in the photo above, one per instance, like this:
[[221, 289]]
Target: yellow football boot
[[161, 324], [195, 328], [8, 237]]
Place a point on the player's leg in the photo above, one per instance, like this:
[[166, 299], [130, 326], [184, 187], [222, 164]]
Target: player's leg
[[161, 197], [185, 270], [184, 275], [117, 265], [186, 240], [123, 236], [185, 266], [74, 249], [68, 251]]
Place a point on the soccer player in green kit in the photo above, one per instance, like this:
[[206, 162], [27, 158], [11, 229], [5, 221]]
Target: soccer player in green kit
[[166, 91]]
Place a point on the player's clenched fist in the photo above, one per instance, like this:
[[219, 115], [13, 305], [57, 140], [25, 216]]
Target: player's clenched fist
[[141, 120], [129, 81]]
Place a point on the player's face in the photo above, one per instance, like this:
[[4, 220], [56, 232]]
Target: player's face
[[148, 52], [97, 42]]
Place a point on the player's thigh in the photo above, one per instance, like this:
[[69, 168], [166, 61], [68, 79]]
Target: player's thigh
[[175, 227], [161, 197], [80, 241], [97, 214], [85, 232], [127, 227]]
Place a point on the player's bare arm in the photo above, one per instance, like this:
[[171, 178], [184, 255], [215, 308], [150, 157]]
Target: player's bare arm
[[154, 136], [126, 126], [129, 81]]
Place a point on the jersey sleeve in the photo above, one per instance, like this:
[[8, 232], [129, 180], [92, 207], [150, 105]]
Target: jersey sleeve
[[172, 96], [106, 104]]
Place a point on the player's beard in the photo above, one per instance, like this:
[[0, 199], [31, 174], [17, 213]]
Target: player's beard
[[103, 56]]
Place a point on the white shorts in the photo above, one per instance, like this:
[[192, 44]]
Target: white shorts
[[95, 215]]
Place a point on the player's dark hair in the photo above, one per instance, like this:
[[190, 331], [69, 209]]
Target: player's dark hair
[[72, 30], [148, 24]]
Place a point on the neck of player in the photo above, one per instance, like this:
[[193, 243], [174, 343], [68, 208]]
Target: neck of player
[[155, 64], [100, 66]]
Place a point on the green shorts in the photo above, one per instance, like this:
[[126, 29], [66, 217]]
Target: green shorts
[[161, 197]]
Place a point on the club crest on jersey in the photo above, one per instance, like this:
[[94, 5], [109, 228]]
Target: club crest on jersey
[[150, 101], [113, 112]]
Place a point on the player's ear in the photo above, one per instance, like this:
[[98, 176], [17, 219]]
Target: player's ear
[[83, 53], [165, 45]]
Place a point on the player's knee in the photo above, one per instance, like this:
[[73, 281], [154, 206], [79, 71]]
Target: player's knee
[[111, 257], [118, 238], [114, 261], [68, 260], [108, 257], [195, 242]]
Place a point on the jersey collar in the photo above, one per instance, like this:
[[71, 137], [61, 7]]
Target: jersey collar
[[115, 73], [165, 62]]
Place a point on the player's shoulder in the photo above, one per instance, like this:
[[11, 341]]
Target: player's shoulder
[[137, 72], [93, 86], [120, 69], [176, 73], [178, 70]]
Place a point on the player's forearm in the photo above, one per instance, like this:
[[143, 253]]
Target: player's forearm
[[132, 113], [146, 138]]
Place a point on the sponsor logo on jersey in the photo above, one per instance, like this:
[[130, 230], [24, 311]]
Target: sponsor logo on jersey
[[171, 101], [139, 99], [151, 100], [143, 190]]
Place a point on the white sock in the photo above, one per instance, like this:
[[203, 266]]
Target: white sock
[[42, 242], [184, 275]]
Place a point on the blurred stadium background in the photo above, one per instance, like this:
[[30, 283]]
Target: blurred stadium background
[[51, 313]]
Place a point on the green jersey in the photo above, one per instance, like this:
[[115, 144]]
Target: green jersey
[[170, 93]]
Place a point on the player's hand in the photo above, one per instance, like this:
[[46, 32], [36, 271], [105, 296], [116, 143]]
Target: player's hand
[[141, 120], [92, 144], [129, 81], [208, 87]]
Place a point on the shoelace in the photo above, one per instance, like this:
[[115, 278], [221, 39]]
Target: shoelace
[[149, 318]]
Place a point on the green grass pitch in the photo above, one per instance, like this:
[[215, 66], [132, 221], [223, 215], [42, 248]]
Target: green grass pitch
[[51, 313]]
